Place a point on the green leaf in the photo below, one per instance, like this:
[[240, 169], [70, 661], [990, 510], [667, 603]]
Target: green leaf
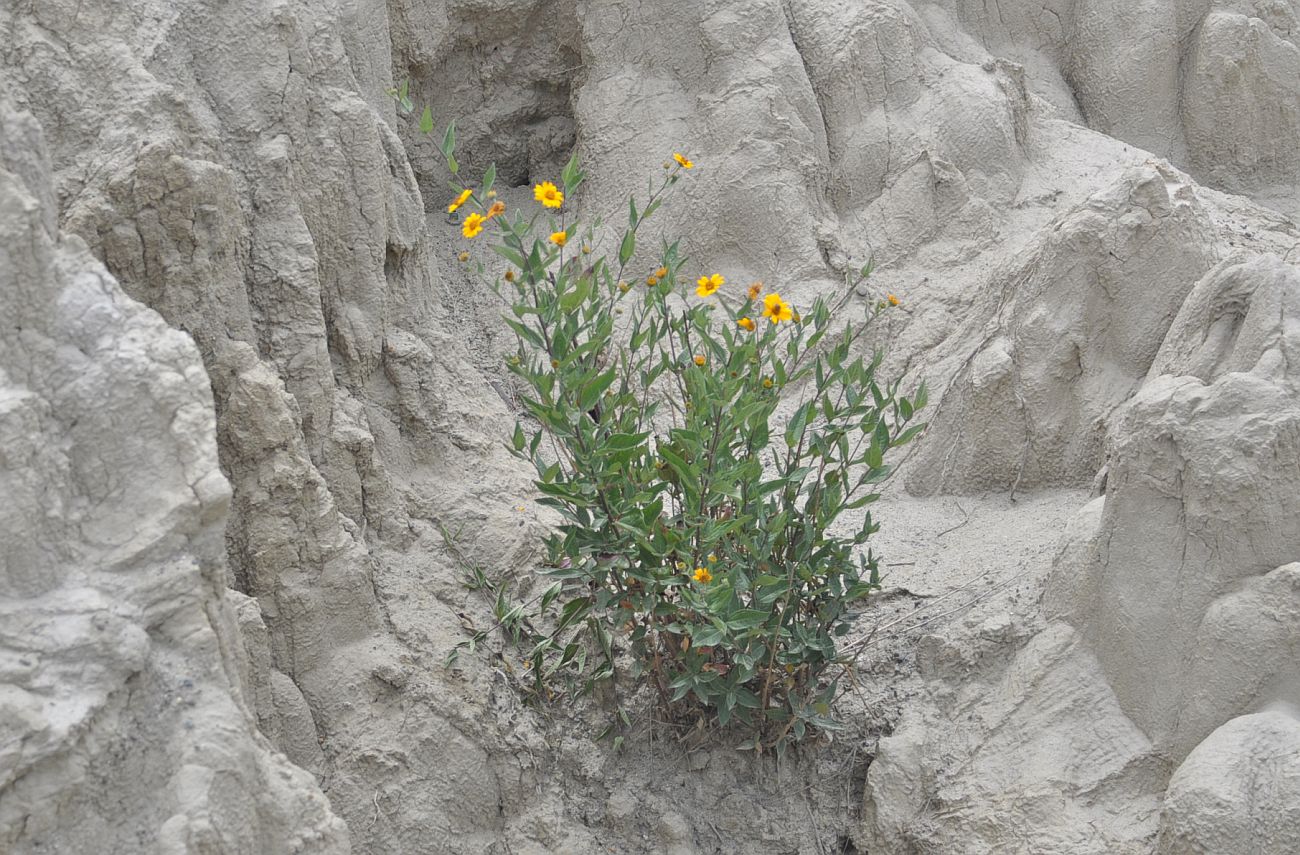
[[909, 434], [550, 595], [489, 178], [631, 216], [592, 392], [526, 334], [747, 619], [794, 432], [574, 610], [571, 176], [508, 254], [627, 247], [706, 636], [426, 120], [621, 441], [449, 143]]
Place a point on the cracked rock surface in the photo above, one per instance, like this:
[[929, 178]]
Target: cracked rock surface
[[245, 390]]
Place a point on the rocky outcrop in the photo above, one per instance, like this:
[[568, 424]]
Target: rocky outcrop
[[1238, 792], [1080, 306], [1079, 324], [120, 656], [1173, 600], [234, 167]]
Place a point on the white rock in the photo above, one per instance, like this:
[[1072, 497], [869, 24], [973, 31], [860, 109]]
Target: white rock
[[1238, 792]]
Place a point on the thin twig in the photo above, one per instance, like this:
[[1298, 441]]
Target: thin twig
[[965, 520], [817, 834]]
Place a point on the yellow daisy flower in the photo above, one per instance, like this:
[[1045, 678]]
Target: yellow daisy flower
[[498, 208], [893, 301], [548, 194], [746, 324], [682, 159], [699, 359], [703, 576], [473, 225], [754, 290], [705, 286], [559, 238], [459, 200], [775, 309]]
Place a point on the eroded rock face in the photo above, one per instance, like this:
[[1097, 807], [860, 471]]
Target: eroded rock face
[[1173, 598], [1238, 792], [1076, 303], [1081, 322], [231, 166], [124, 729]]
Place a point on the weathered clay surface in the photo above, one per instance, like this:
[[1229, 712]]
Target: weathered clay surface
[[1173, 597], [123, 725], [1040, 184], [1238, 792]]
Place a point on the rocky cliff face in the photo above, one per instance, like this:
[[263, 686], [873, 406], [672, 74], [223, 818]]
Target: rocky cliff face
[[124, 728], [225, 312]]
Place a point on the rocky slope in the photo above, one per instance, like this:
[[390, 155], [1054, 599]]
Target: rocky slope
[[1045, 186]]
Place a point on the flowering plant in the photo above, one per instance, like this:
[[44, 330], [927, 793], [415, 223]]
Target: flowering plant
[[697, 531]]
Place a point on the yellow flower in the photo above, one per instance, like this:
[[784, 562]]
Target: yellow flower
[[651, 281], [706, 285], [767, 382], [464, 257], [681, 158], [473, 225], [703, 576], [712, 557], [660, 272], [623, 287], [746, 324], [699, 359], [893, 301], [548, 194], [559, 238], [460, 200], [510, 276], [755, 290], [775, 309], [498, 208], [586, 249]]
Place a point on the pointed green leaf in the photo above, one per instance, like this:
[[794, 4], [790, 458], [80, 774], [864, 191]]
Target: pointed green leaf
[[627, 247]]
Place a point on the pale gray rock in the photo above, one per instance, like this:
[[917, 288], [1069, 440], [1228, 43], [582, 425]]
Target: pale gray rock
[[1238, 791], [1079, 325], [123, 723], [237, 167], [1173, 599]]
